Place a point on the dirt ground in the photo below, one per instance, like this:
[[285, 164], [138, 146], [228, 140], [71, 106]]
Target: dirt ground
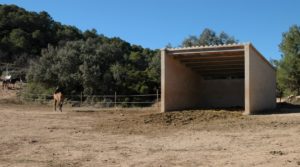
[[34, 135]]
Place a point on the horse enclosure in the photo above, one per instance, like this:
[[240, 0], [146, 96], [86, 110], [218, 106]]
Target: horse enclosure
[[31, 134]]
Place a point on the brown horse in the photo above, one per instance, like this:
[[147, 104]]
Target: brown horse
[[58, 100]]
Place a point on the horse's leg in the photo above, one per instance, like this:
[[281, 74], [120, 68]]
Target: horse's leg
[[60, 105]]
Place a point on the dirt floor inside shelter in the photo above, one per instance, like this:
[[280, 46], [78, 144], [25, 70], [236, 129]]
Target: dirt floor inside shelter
[[34, 135]]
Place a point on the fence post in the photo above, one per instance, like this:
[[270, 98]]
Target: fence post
[[115, 100], [157, 103], [81, 99], [19, 97]]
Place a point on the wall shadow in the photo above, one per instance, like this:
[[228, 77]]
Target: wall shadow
[[283, 108]]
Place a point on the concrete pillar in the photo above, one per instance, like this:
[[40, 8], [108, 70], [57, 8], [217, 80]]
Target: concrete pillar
[[247, 80], [162, 82]]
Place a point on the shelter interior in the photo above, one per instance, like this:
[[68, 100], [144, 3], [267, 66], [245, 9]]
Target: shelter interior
[[216, 79]]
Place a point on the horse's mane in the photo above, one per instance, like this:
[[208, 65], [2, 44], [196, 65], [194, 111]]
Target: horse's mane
[[59, 90]]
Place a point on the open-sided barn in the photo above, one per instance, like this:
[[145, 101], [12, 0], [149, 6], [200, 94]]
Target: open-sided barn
[[217, 76]]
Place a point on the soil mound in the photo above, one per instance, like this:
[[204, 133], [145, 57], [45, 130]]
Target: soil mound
[[187, 117]]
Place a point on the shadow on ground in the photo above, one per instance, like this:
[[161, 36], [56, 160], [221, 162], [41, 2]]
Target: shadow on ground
[[283, 108]]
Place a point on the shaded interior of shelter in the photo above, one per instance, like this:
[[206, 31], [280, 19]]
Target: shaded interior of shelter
[[221, 76]]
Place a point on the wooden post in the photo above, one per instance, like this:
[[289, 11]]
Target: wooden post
[[157, 97], [115, 100], [19, 97], [81, 94]]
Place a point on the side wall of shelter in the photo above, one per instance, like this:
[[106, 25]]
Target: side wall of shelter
[[260, 82], [180, 86]]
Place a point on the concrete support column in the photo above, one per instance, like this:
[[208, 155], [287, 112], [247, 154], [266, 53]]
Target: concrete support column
[[163, 78], [247, 80]]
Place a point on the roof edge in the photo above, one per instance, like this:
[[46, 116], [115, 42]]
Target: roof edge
[[206, 46]]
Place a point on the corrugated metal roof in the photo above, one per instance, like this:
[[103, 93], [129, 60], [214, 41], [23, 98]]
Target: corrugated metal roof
[[207, 46]]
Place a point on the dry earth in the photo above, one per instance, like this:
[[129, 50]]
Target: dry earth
[[34, 135]]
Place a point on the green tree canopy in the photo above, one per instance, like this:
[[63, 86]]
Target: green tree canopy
[[24, 34], [288, 70], [208, 37], [97, 67]]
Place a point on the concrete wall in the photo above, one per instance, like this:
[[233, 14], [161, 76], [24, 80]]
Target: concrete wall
[[260, 82], [179, 85], [223, 93]]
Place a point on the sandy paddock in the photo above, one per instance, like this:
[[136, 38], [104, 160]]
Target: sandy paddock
[[34, 135]]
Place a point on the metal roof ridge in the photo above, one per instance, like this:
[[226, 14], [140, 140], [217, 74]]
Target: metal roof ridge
[[207, 46]]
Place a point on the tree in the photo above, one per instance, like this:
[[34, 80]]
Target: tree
[[97, 66], [27, 33], [208, 37], [90, 34], [169, 45], [279, 86], [226, 39], [289, 66], [190, 41]]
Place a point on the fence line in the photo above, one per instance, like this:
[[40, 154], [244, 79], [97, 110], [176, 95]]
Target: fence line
[[104, 96], [107, 100]]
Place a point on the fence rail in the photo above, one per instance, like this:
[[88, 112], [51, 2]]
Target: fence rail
[[140, 95], [104, 100]]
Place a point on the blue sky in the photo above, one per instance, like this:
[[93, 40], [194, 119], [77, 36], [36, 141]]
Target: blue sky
[[155, 23]]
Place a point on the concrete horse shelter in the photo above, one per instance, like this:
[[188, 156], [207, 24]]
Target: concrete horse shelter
[[219, 76]]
